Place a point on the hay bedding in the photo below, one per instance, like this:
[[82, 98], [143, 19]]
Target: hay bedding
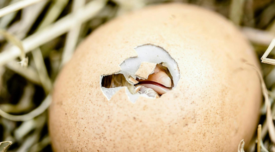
[[38, 37]]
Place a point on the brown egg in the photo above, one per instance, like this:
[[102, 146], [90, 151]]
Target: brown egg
[[211, 104]]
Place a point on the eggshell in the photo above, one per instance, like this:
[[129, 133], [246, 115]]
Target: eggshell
[[213, 107]]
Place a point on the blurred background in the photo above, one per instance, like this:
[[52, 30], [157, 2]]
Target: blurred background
[[38, 37]]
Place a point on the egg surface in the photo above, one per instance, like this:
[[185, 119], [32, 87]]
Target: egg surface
[[214, 105]]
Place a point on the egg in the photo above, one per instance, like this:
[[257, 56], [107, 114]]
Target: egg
[[167, 78]]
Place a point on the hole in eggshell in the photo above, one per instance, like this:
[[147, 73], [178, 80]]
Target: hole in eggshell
[[156, 84], [151, 74]]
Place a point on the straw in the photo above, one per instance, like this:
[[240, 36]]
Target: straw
[[4, 146], [40, 109], [259, 138], [269, 49], [53, 31], [19, 46], [73, 34], [236, 11], [17, 6]]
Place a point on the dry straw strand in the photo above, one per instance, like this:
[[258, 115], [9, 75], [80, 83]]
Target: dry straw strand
[[241, 146], [269, 49], [259, 138], [265, 127], [52, 14], [33, 138], [42, 70], [258, 36], [18, 44], [271, 127], [263, 149], [24, 104], [5, 145], [54, 30], [28, 17], [272, 28], [24, 129], [236, 11], [269, 120], [73, 34], [27, 73], [39, 146], [6, 20], [17, 6], [28, 139], [40, 109], [267, 15], [248, 14]]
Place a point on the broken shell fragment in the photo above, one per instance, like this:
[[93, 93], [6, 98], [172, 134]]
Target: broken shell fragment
[[132, 80]]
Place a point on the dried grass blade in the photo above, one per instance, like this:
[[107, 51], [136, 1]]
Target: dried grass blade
[[55, 30], [269, 119], [16, 6], [258, 36], [41, 70], [271, 28], [259, 139], [128, 6], [5, 145], [269, 49], [249, 13], [39, 146], [263, 149], [269, 61], [241, 146], [15, 41], [269, 78], [28, 18], [36, 112], [73, 34], [52, 14], [271, 127], [24, 104], [6, 20], [34, 137], [24, 129], [264, 130], [27, 73], [267, 15], [236, 11], [28, 142]]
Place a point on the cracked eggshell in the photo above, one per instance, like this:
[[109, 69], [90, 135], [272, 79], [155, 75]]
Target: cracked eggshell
[[214, 106]]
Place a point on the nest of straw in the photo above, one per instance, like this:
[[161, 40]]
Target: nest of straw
[[38, 37]]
